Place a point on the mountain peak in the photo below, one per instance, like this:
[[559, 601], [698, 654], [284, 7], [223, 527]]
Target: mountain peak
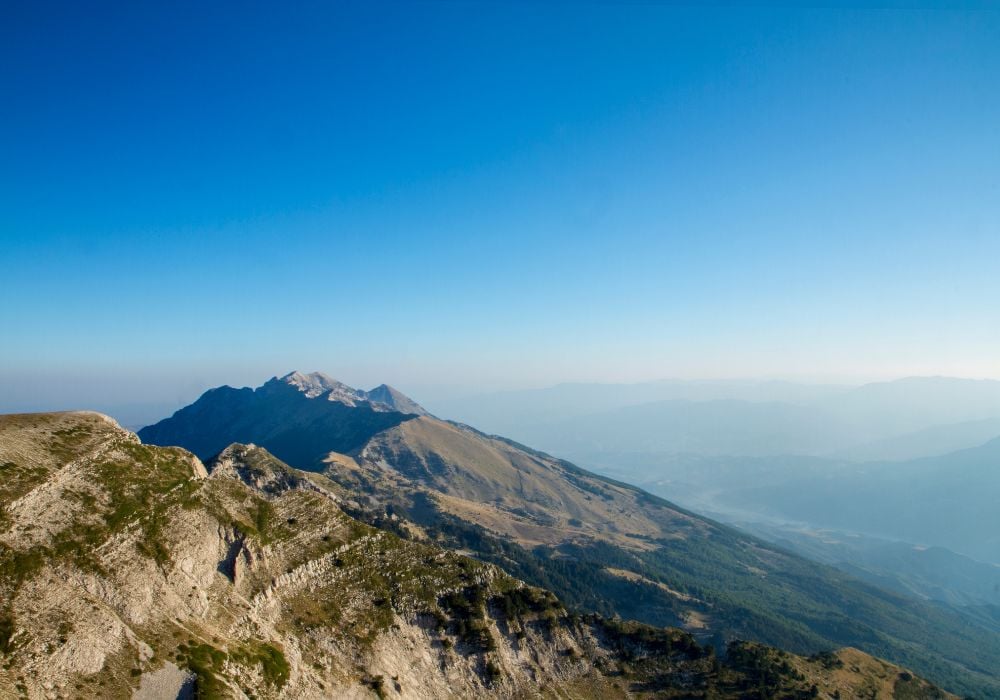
[[319, 410], [395, 399], [382, 398], [314, 384]]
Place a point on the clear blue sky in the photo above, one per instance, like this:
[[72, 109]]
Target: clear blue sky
[[462, 195]]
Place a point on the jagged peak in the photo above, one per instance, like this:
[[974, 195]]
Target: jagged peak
[[320, 385], [314, 384]]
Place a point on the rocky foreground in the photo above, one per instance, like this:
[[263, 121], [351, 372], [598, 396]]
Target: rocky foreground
[[135, 571]]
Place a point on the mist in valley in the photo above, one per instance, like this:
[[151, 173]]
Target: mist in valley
[[897, 482]]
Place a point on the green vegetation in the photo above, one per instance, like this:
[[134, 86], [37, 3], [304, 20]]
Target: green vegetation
[[140, 484], [17, 566], [798, 607], [6, 632], [492, 671], [764, 670], [15, 481], [468, 610], [260, 522], [516, 603], [274, 666], [207, 662], [377, 685], [635, 640], [906, 687], [827, 660]]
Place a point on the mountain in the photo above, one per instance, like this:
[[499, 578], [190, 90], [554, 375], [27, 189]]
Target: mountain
[[395, 399], [933, 573], [135, 571], [716, 427], [927, 442], [602, 545], [927, 531], [947, 500], [283, 415], [510, 412], [914, 403], [382, 398], [905, 418]]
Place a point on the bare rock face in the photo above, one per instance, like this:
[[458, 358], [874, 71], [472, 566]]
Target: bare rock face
[[382, 398], [135, 571]]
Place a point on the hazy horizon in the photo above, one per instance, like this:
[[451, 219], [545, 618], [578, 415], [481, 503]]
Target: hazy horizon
[[131, 398]]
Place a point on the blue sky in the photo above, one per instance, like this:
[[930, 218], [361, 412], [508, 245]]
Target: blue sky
[[458, 196]]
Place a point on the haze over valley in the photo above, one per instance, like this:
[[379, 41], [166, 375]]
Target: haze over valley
[[895, 481]]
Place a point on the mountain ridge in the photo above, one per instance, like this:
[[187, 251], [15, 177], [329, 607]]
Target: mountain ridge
[[382, 397], [580, 421], [155, 575], [556, 525], [959, 488], [333, 412]]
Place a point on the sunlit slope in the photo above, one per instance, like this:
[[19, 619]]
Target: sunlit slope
[[522, 491]]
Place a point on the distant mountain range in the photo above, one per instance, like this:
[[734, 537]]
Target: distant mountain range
[[601, 545], [948, 500], [929, 572], [907, 418]]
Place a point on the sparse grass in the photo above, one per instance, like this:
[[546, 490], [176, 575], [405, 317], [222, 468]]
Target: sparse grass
[[377, 684], [492, 672], [274, 665], [16, 480], [907, 687], [6, 631], [206, 663], [141, 485]]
